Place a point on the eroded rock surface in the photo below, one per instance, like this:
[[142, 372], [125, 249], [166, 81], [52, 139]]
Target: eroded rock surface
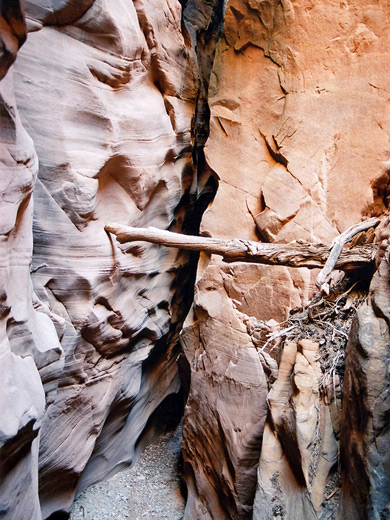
[[365, 458], [299, 139], [28, 341], [226, 409], [299, 448], [134, 112], [108, 92]]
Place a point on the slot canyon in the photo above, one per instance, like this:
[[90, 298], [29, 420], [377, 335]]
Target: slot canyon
[[266, 121]]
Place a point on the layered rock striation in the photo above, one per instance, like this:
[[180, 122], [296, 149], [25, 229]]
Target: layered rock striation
[[299, 128], [29, 346], [143, 113], [108, 93], [365, 460]]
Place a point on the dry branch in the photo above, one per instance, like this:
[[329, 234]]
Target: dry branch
[[294, 254], [336, 249]]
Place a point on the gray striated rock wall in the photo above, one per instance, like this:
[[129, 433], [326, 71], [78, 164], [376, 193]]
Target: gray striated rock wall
[[108, 93]]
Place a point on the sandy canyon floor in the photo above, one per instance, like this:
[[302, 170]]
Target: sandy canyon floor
[[150, 489]]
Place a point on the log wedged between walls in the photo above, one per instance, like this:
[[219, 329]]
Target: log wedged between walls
[[297, 159]]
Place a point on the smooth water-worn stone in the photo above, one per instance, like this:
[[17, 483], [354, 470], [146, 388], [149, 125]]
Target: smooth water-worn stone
[[28, 341], [365, 461], [108, 92]]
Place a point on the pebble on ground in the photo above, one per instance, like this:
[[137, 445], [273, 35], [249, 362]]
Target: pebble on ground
[[149, 490]]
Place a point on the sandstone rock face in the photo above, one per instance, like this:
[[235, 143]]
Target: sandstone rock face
[[22, 398], [108, 92], [134, 113], [226, 410], [299, 447], [299, 131], [28, 340], [365, 434], [291, 80], [12, 33]]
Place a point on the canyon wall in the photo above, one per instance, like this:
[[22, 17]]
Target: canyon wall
[[98, 126], [264, 120], [22, 399], [299, 138]]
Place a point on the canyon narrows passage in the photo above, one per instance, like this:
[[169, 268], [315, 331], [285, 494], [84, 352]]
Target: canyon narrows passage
[[261, 120]]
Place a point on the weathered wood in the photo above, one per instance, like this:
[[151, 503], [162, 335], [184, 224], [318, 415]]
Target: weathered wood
[[336, 249], [294, 254]]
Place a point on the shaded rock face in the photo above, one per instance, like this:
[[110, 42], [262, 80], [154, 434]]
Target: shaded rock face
[[22, 398], [12, 33], [226, 409], [299, 448], [365, 458], [28, 340], [108, 93]]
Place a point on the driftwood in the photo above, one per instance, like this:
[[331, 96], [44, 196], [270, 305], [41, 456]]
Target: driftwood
[[336, 249], [294, 254]]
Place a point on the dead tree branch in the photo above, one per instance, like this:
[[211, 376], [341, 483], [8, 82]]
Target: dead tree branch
[[336, 249], [294, 254]]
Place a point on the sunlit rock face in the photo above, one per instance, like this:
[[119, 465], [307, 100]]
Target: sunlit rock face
[[299, 94], [108, 93], [299, 126]]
